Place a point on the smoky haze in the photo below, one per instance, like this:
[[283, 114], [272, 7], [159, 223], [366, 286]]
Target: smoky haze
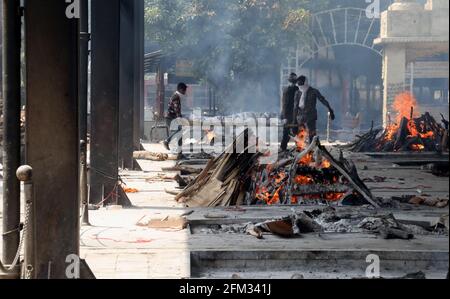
[[243, 65], [237, 46]]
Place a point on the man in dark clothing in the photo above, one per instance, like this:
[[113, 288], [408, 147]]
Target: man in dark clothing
[[305, 107], [174, 112], [287, 106]]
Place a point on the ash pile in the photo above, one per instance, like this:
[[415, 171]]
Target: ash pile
[[328, 220], [410, 132], [307, 175]]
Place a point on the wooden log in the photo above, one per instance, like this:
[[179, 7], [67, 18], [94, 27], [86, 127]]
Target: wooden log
[[185, 170], [445, 122], [388, 147], [281, 164], [300, 190], [356, 182], [394, 233], [412, 141], [196, 184], [401, 134], [144, 155], [445, 141]]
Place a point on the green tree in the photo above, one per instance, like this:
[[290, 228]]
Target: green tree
[[237, 46]]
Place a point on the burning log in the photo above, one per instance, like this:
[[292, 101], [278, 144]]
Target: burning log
[[413, 135], [411, 132], [312, 174], [402, 133]]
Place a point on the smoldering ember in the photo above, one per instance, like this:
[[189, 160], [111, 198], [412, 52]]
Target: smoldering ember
[[238, 139]]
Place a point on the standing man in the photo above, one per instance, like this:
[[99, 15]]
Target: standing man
[[174, 112], [287, 106], [305, 107]]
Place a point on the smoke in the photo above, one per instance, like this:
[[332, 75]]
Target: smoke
[[235, 47]]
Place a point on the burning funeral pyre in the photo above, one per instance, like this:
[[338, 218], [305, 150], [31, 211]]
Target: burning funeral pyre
[[409, 133], [309, 174]]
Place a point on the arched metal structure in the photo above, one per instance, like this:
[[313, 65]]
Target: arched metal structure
[[334, 28]]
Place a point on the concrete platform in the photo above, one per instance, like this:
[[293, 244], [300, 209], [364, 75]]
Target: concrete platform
[[115, 247]]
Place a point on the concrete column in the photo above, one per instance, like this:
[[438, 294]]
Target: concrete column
[[160, 92], [138, 118], [11, 21], [83, 105], [52, 45], [84, 63], [394, 72], [105, 32], [126, 83]]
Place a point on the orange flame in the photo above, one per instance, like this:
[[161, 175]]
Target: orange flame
[[280, 178], [414, 131], [307, 159], [418, 147], [391, 131], [210, 135], [334, 196], [301, 139], [304, 180], [406, 104], [325, 164], [403, 104]]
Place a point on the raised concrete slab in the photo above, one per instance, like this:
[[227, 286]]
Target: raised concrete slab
[[115, 247]]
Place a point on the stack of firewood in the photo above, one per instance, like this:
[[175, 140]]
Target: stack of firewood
[[410, 135], [307, 175], [220, 183]]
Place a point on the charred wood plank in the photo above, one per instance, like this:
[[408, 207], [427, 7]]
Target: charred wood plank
[[300, 190], [356, 182], [401, 134]]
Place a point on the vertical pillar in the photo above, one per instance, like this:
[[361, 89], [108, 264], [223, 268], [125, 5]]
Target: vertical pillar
[[160, 92], [411, 78], [126, 83], [83, 105], [1, 52], [11, 127], [138, 118], [104, 161], [84, 62], [52, 45], [394, 72]]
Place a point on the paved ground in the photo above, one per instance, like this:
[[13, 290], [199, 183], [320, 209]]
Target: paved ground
[[115, 247]]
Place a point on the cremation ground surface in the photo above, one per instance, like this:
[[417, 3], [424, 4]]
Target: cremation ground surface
[[116, 247]]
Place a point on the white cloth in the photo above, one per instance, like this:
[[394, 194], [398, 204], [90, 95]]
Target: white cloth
[[304, 90], [179, 94]]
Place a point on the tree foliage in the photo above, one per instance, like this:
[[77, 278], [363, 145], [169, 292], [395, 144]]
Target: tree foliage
[[234, 44]]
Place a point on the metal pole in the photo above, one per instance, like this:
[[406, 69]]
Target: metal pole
[[329, 128], [25, 175], [84, 197], [411, 90], [138, 119], [83, 65], [160, 93], [83, 106], [11, 128], [214, 103]]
